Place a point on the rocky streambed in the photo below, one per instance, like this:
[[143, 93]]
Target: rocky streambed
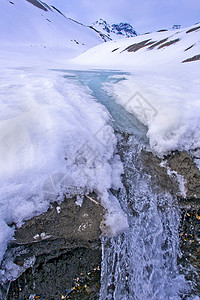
[[58, 254]]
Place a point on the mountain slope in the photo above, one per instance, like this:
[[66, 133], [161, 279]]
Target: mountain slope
[[33, 22], [147, 50], [33, 28]]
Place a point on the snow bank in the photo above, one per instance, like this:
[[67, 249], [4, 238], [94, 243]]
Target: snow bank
[[170, 107], [51, 128]]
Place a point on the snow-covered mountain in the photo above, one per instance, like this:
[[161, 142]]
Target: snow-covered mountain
[[114, 31], [34, 23], [40, 27], [148, 50]]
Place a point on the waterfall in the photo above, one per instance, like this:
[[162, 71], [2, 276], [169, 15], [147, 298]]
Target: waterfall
[[141, 263]]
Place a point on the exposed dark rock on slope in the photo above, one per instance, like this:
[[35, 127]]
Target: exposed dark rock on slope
[[38, 4]]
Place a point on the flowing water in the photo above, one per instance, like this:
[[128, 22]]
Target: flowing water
[[140, 263]]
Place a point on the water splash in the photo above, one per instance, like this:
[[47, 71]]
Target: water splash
[[141, 263]]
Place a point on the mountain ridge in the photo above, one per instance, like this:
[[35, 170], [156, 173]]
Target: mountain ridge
[[115, 30]]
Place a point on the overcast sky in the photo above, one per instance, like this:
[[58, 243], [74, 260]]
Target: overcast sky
[[144, 15]]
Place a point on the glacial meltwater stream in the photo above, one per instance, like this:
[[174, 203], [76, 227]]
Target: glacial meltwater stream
[[140, 263]]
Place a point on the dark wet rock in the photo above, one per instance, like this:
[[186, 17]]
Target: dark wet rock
[[183, 164], [74, 274], [55, 247], [160, 179], [67, 221], [190, 247], [189, 203]]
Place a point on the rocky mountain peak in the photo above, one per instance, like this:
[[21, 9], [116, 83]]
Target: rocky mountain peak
[[115, 30]]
